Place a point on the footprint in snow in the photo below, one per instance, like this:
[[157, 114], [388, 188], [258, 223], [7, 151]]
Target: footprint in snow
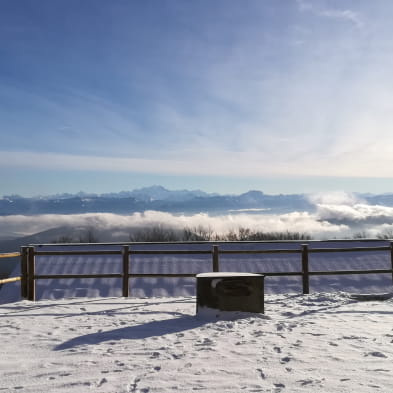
[[288, 314], [174, 356], [305, 382], [261, 373], [314, 334], [258, 333], [205, 343], [101, 382], [376, 354], [284, 326], [297, 344]]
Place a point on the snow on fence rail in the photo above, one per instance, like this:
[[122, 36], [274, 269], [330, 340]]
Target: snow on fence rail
[[10, 255], [28, 261]]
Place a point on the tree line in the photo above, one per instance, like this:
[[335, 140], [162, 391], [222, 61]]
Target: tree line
[[161, 233]]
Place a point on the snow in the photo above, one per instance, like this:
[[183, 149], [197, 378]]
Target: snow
[[332, 341], [325, 342], [215, 313], [227, 274]]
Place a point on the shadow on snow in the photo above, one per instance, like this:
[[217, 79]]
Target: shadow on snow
[[146, 330]]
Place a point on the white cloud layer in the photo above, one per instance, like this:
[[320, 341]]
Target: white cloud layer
[[205, 164], [328, 222], [334, 198], [336, 215], [297, 221]]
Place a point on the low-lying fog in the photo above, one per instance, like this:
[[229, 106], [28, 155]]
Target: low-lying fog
[[335, 216]]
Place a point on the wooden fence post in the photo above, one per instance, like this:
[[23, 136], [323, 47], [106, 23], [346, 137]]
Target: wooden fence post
[[31, 274], [216, 266], [305, 271], [391, 257], [23, 271], [125, 254]]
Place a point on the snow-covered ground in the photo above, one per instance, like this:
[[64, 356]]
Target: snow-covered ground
[[325, 342], [321, 342]]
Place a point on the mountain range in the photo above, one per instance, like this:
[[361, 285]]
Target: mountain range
[[150, 198]]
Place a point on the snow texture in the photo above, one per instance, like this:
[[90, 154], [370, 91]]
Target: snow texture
[[325, 342]]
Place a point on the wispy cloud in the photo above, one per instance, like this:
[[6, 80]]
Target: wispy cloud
[[205, 163], [347, 15], [334, 13], [224, 92]]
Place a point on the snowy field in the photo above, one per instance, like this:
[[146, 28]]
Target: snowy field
[[319, 342], [332, 340]]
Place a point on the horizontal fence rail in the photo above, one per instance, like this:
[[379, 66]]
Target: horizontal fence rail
[[10, 255], [353, 249], [28, 260], [8, 280]]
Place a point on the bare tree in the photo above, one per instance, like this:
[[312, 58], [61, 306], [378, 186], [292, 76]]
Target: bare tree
[[154, 234], [199, 233], [89, 236], [63, 239], [387, 234]]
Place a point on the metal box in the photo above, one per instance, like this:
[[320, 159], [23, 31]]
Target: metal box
[[230, 291]]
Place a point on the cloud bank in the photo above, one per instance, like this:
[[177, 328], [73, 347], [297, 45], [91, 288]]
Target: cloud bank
[[336, 215], [297, 221], [327, 223]]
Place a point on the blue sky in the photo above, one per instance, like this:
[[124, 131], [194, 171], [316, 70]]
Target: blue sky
[[225, 96]]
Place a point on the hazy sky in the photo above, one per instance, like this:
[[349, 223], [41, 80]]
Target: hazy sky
[[225, 96]]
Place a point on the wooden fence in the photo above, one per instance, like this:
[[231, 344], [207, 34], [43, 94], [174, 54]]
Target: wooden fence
[[28, 260]]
